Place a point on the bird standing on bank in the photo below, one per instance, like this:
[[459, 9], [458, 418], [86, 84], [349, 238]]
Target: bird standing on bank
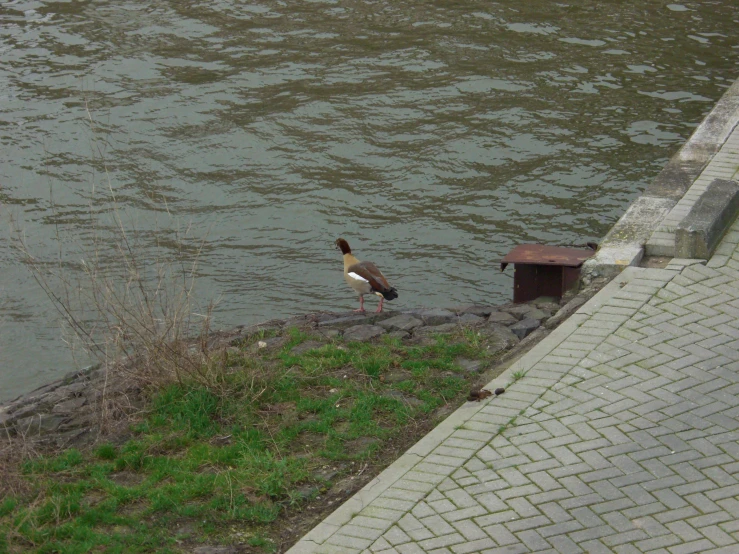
[[364, 277]]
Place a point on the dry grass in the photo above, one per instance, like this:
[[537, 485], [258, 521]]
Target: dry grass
[[133, 314], [12, 451]]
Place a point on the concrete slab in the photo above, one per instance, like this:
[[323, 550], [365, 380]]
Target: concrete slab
[[701, 230], [624, 244]]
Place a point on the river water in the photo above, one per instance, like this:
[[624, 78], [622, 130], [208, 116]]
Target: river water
[[434, 136]]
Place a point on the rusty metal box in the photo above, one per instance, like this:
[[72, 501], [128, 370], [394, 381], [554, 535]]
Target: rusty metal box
[[544, 270]]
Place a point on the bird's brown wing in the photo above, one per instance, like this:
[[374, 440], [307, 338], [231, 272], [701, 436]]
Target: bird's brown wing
[[369, 272]]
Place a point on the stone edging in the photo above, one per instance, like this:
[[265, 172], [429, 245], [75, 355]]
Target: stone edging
[[647, 227], [700, 232], [67, 412]]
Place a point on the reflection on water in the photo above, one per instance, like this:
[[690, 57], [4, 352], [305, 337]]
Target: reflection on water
[[433, 136]]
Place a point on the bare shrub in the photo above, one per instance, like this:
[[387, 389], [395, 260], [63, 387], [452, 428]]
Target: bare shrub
[[13, 450], [137, 316]]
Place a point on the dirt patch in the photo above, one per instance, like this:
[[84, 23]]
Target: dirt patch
[[293, 525], [126, 478], [655, 261]]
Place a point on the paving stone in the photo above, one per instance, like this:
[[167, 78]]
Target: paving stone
[[396, 536]]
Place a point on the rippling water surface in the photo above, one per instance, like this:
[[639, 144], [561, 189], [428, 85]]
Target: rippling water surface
[[434, 136]]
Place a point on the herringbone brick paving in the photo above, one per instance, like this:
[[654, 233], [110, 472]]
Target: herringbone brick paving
[[624, 438]]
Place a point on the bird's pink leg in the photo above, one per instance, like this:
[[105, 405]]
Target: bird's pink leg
[[361, 305], [379, 307]]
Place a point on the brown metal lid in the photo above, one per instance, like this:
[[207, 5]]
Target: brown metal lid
[[539, 254]]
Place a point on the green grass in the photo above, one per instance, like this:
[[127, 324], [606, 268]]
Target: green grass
[[203, 463]]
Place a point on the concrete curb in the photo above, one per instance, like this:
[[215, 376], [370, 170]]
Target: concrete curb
[[636, 233], [698, 235]]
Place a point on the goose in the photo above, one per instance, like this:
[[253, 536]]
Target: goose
[[364, 277]]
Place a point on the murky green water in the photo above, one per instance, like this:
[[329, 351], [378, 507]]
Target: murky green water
[[434, 136]]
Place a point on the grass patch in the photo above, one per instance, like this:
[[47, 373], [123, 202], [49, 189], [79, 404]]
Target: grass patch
[[221, 465], [517, 375]]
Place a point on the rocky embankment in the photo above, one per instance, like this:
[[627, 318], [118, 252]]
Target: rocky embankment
[[71, 410]]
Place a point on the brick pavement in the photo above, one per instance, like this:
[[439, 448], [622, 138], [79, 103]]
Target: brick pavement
[[621, 436]]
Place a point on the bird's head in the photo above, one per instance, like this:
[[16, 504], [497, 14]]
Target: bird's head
[[342, 245]]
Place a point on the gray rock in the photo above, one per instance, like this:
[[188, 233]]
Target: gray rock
[[15, 405], [549, 307], [261, 328], [498, 337], [363, 333], [399, 335], [97, 374], [328, 333], [434, 316], [327, 316], [87, 371], [304, 320], [77, 421], [519, 311], [431, 330], [39, 424], [268, 344], [471, 320], [539, 315], [29, 411], [72, 389], [476, 309], [346, 321], [438, 317], [402, 322], [524, 327], [502, 318], [383, 315], [42, 390], [64, 440], [70, 405], [470, 366], [306, 347]]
